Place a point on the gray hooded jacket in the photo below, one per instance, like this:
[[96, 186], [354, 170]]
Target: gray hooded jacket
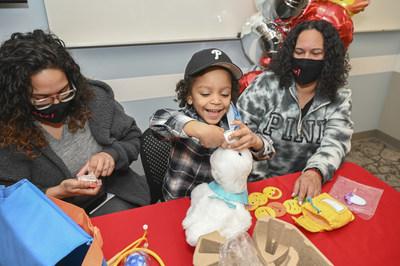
[[320, 139]]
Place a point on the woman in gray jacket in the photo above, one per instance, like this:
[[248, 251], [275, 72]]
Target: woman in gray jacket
[[302, 106], [55, 126]]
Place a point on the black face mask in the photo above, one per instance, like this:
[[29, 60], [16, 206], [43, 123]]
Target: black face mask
[[306, 70], [54, 114]]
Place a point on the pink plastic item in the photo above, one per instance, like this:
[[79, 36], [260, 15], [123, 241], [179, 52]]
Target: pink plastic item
[[344, 187]]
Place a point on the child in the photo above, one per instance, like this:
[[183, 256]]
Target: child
[[209, 86]]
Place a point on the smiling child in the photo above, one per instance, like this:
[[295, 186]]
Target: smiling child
[[205, 94]]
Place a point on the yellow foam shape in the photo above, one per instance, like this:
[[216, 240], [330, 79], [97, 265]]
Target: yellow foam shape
[[292, 206], [264, 211], [257, 199], [272, 192]]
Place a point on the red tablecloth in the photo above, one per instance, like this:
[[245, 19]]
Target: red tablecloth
[[361, 242]]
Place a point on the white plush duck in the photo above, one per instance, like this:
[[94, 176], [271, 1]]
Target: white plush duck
[[221, 205]]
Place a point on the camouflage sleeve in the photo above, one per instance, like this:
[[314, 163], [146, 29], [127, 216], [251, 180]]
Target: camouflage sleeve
[[336, 141], [253, 104]]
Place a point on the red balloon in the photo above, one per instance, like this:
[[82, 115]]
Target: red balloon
[[247, 78], [333, 13], [264, 61]]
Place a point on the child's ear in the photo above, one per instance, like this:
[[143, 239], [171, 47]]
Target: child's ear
[[189, 100]]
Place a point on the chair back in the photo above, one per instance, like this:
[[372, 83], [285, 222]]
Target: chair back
[[155, 159]]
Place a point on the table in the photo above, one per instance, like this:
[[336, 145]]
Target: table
[[361, 242]]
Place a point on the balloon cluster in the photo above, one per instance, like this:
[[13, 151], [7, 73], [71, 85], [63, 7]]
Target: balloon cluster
[[264, 32]]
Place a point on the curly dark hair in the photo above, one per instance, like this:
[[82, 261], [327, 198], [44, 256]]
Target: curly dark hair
[[336, 65], [184, 86], [24, 55]]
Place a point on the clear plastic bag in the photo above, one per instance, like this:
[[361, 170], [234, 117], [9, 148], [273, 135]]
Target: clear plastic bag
[[239, 251], [344, 187]]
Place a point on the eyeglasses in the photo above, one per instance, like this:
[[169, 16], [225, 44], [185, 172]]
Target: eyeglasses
[[44, 103]]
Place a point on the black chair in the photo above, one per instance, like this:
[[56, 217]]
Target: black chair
[[155, 158]]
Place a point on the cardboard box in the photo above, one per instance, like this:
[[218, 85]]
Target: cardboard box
[[278, 243]]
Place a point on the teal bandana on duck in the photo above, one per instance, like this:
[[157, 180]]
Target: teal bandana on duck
[[228, 197]]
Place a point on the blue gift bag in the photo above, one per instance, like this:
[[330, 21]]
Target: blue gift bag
[[34, 231]]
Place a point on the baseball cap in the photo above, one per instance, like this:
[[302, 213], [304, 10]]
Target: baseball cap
[[209, 58]]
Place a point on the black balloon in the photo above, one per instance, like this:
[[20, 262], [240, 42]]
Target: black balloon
[[289, 9]]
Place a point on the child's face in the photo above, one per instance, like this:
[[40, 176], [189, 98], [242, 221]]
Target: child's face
[[211, 95]]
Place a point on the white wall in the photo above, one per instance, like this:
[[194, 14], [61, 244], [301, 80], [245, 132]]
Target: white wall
[[162, 64], [389, 121], [146, 21]]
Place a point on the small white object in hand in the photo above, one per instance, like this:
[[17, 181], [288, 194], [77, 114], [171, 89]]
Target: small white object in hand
[[88, 177], [227, 134]]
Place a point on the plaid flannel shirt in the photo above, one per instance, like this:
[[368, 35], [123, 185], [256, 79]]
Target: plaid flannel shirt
[[189, 163]]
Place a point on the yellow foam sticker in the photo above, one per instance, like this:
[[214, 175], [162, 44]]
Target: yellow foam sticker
[[272, 192], [278, 207], [292, 206], [257, 199], [264, 211]]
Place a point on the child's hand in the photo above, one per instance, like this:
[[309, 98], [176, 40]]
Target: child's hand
[[210, 136], [245, 138]]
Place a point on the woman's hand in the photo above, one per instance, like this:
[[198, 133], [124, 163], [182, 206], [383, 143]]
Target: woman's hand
[[308, 185], [100, 164], [210, 136], [74, 187], [245, 138]]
